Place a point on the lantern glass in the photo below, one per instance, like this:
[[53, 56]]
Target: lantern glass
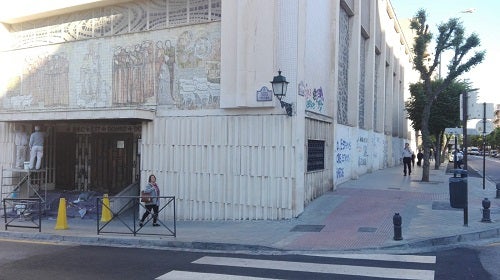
[[280, 85]]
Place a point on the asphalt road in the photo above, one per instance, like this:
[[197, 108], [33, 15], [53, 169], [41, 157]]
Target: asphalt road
[[34, 260], [492, 167]]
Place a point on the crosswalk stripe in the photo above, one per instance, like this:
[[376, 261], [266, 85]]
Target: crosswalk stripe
[[380, 257], [383, 272], [187, 275]]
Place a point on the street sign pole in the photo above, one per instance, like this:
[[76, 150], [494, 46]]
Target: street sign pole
[[464, 127], [484, 144]]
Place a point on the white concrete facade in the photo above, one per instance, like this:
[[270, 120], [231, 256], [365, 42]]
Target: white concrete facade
[[209, 131]]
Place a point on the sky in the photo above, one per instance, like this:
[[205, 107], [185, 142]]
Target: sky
[[484, 20]]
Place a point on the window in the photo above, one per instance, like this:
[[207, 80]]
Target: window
[[315, 155]]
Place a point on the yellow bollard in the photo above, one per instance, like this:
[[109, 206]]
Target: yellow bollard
[[62, 220], [106, 212]]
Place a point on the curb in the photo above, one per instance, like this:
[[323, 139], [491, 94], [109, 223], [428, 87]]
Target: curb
[[113, 241]]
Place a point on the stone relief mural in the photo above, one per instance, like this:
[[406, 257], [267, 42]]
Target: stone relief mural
[[179, 69], [92, 88], [43, 82], [133, 73]]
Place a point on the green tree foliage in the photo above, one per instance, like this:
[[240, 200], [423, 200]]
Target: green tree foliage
[[451, 38], [494, 139], [445, 111]]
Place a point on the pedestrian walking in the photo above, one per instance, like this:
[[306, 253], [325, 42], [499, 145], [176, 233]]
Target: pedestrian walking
[[407, 153], [420, 156], [153, 204]]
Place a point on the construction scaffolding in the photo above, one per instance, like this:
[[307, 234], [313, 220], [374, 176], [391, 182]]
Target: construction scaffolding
[[17, 185]]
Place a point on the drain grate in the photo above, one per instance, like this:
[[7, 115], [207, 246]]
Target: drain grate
[[307, 228], [367, 229]]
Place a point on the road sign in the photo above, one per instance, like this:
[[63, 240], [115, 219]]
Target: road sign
[[480, 127], [453, 130]]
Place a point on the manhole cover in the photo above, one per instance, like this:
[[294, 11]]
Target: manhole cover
[[308, 228], [367, 229]]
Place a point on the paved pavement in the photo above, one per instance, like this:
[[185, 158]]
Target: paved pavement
[[358, 215]]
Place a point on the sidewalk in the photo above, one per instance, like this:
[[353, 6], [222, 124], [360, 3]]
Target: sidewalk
[[356, 216]]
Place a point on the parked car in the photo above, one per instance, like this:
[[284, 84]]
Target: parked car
[[493, 153], [473, 151]]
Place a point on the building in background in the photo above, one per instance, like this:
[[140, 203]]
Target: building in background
[[181, 89], [496, 120]]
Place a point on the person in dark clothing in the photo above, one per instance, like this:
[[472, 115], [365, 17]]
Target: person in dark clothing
[[420, 156]]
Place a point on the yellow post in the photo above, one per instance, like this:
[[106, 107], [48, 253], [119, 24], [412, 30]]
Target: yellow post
[[106, 212], [62, 220]]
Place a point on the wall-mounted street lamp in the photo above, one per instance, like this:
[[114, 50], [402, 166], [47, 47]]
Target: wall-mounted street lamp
[[280, 85]]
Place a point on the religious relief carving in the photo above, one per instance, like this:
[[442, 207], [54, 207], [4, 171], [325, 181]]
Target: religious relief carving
[[93, 91], [181, 72], [43, 83]]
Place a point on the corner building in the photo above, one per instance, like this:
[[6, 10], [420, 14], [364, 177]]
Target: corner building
[[181, 89]]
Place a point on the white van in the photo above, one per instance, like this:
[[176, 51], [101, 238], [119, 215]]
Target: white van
[[473, 151]]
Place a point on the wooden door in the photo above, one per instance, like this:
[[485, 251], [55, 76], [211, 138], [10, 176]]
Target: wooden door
[[112, 161]]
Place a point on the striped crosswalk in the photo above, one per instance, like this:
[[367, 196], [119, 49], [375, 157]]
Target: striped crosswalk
[[390, 269]]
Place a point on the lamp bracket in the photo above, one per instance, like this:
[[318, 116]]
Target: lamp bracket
[[287, 106]]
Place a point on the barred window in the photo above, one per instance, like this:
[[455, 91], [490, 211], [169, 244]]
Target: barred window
[[315, 155]]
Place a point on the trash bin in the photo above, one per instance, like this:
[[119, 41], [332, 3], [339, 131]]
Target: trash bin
[[458, 189]]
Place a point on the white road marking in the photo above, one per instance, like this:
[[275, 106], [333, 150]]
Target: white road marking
[[186, 275], [383, 272], [381, 257]]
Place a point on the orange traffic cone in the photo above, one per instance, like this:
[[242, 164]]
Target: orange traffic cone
[[62, 220], [106, 212]]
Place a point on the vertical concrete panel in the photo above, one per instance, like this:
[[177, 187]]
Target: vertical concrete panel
[[228, 175]]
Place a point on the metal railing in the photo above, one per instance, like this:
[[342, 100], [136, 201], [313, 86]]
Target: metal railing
[[122, 216], [23, 213]]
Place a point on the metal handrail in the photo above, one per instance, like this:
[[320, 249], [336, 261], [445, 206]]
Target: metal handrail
[[23, 212], [120, 218]]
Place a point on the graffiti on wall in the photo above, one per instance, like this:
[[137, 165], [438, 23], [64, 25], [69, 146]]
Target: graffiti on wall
[[314, 97], [342, 157], [362, 149]]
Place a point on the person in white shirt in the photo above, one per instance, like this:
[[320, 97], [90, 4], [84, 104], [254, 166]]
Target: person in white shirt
[[21, 141], [407, 152]]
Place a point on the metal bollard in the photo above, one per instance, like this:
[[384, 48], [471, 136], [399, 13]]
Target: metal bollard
[[498, 190], [486, 211], [397, 221]]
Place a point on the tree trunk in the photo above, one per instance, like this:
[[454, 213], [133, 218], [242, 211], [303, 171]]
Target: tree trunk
[[426, 141]]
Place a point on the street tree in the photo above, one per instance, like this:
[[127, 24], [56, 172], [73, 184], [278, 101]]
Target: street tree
[[451, 37], [445, 111]]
